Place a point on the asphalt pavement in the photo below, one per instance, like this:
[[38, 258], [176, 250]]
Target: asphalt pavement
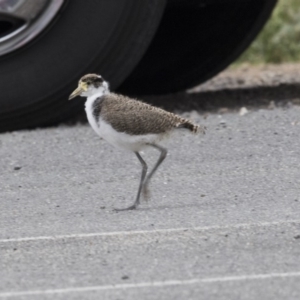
[[223, 221]]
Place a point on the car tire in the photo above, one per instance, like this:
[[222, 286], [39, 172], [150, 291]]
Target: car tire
[[107, 37], [196, 40]]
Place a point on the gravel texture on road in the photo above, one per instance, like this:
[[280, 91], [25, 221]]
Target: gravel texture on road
[[223, 221]]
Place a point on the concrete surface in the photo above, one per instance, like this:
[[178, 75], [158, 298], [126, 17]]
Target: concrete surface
[[223, 221]]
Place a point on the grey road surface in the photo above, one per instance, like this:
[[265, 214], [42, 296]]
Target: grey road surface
[[223, 221]]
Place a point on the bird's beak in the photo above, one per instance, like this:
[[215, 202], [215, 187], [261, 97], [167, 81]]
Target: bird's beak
[[76, 93]]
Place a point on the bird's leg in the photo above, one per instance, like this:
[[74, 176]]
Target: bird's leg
[[163, 154], [144, 172]]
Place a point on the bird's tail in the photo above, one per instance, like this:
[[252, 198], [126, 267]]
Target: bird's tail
[[187, 124]]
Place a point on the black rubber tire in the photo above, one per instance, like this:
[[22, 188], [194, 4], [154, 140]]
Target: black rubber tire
[[196, 40], [108, 37]]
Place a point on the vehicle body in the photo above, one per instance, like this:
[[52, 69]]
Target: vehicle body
[[140, 47]]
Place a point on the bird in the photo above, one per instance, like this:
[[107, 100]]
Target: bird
[[129, 124]]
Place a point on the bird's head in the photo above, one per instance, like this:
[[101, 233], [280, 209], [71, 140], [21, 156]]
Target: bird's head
[[89, 85]]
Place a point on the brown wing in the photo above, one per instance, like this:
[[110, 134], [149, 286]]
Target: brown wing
[[135, 117]]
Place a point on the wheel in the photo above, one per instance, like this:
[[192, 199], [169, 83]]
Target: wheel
[[196, 40], [39, 68]]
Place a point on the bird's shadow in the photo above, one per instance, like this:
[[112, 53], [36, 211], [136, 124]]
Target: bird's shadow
[[141, 208]]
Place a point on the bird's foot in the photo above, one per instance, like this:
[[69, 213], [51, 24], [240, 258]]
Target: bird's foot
[[132, 207]]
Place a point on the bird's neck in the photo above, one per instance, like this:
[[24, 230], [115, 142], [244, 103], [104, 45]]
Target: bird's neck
[[97, 93]]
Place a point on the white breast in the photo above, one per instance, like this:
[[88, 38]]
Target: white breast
[[126, 141], [89, 113]]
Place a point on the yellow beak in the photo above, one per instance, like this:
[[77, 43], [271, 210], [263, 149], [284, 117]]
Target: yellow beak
[[76, 93]]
